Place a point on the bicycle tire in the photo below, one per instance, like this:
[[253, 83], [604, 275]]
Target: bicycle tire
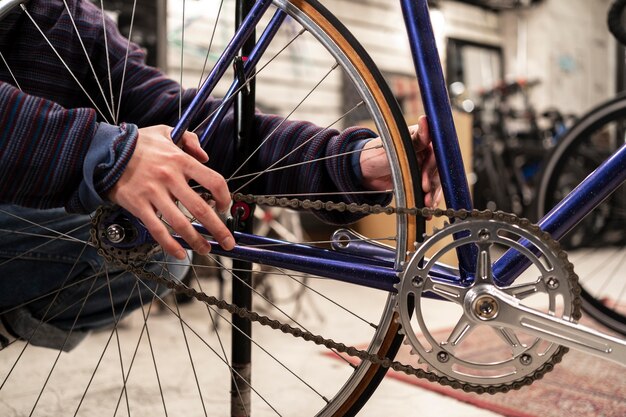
[[359, 68], [580, 151]]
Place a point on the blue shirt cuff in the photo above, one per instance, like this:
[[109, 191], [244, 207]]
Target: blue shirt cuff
[[107, 157]]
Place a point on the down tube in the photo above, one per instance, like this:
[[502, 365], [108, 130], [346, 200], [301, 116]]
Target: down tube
[[562, 218], [441, 125]]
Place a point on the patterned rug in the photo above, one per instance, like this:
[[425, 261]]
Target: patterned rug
[[580, 386]]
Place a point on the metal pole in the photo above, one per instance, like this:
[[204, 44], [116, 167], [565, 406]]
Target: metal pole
[[242, 282]]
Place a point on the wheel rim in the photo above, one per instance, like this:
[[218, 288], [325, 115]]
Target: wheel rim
[[350, 394], [596, 245]]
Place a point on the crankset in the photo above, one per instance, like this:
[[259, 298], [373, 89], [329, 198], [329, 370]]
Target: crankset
[[494, 333]]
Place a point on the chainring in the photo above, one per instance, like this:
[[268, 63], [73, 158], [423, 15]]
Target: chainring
[[440, 325]]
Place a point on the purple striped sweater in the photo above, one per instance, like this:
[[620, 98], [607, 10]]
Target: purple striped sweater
[[56, 150]]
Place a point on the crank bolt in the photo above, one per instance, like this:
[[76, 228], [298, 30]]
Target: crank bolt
[[417, 281], [484, 234], [115, 233], [486, 307], [443, 357], [553, 283], [526, 359]]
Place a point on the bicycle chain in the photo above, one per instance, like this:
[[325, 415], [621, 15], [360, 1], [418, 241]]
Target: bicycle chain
[[350, 350]]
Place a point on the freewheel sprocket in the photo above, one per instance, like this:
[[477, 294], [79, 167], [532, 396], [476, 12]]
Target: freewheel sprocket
[[447, 322]]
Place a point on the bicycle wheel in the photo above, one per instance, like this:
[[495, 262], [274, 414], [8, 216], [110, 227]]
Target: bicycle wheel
[[178, 362], [598, 243]]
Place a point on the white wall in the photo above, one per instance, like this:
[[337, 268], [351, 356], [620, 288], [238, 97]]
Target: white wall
[[566, 45]]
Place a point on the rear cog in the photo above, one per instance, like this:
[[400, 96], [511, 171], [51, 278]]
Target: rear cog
[[458, 341]]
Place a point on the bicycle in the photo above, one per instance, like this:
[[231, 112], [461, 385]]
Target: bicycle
[[510, 146], [528, 299]]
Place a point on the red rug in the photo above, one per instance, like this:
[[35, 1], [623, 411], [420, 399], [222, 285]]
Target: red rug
[[580, 386]]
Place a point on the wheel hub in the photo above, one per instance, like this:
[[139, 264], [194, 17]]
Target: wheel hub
[[485, 307]]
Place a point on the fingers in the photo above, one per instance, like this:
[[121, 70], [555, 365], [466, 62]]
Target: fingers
[[431, 184], [429, 168], [160, 233], [191, 145], [213, 182], [420, 134], [199, 208]]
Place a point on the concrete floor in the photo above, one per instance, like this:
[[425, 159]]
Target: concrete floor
[[74, 370]]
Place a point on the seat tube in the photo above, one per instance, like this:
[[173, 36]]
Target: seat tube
[[441, 124]]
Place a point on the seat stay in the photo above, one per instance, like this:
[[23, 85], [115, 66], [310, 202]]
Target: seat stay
[[241, 36]]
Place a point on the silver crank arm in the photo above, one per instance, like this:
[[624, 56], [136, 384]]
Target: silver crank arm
[[512, 314]]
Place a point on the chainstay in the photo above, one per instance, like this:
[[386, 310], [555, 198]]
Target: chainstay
[[351, 350]]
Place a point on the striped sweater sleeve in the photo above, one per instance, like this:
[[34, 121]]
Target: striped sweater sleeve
[[42, 146]]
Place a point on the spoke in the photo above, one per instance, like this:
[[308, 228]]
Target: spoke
[[217, 333], [229, 99], [293, 276], [197, 187], [153, 357], [297, 164], [522, 291], [106, 49], [264, 350], [44, 317], [288, 316], [41, 225], [510, 338], [301, 145], [93, 70], [450, 292], [61, 350], [207, 344], [38, 247], [484, 272], [64, 287], [208, 51], [130, 35], [19, 233], [182, 54], [256, 292], [615, 268], [271, 134], [330, 300], [10, 72], [463, 328], [104, 350], [65, 64], [117, 336], [191, 361], [32, 225]]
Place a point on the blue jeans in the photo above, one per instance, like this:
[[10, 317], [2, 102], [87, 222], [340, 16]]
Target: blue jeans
[[54, 291]]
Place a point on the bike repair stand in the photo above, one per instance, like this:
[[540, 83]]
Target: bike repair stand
[[242, 221]]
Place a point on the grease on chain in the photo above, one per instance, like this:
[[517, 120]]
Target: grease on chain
[[350, 350]]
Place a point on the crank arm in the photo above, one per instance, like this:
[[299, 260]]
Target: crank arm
[[510, 313]]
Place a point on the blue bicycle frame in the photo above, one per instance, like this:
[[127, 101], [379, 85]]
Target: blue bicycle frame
[[376, 271]]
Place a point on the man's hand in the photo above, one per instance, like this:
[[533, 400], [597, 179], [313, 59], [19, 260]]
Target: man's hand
[[157, 176], [377, 173]]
